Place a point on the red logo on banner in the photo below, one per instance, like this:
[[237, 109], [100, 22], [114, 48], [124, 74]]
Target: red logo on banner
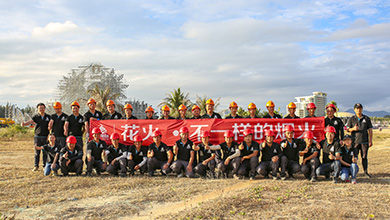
[[170, 129]]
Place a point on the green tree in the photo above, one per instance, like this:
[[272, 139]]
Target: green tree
[[264, 113], [201, 102], [334, 103], [101, 96], [174, 99]]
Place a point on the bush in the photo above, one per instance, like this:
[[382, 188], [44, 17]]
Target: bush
[[16, 131]]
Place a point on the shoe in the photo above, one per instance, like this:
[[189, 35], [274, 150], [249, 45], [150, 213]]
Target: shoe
[[252, 178], [347, 181], [367, 175], [275, 178], [327, 177], [313, 179], [235, 176], [55, 173], [123, 174], [35, 169], [291, 176], [353, 181], [283, 178], [180, 175], [334, 179]]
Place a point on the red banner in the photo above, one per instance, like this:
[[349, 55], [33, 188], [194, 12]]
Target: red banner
[[170, 129]]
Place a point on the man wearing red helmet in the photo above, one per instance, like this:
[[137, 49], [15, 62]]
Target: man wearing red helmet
[[249, 155], [206, 163], [116, 155], [41, 131], [270, 155], [185, 155], [137, 156], [210, 110], [160, 156], [128, 112], [91, 114], [227, 156], [71, 157], [311, 109], [334, 121], [74, 124], [233, 107], [111, 114], [56, 124], [330, 155], [290, 148], [196, 112], [291, 111], [95, 149], [309, 152], [271, 111], [361, 129]]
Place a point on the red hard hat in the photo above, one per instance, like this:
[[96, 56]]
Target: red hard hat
[[71, 140], [288, 128], [156, 133], [269, 133], [308, 134], [332, 106], [330, 129], [114, 136], [248, 131], [184, 130], [96, 131], [228, 134], [137, 138], [311, 105], [205, 134]]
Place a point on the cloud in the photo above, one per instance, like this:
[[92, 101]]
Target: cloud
[[58, 29]]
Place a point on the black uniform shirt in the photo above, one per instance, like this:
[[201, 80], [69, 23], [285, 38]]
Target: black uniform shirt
[[88, 115], [275, 116], [312, 149], [160, 153], [116, 115], [251, 117], [225, 151], [291, 150], [74, 155], [231, 117], [203, 154], [214, 115], [268, 152], [115, 153], [162, 118], [51, 152], [328, 149], [138, 156], [364, 124], [96, 148], [131, 117], [248, 150], [336, 123], [348, 155], [58, 124], [289, 117], [42, 125], [184, 152], [75, 125]]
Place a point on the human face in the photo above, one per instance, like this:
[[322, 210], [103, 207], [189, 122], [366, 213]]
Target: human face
[[128, 112], [111, 109], [137, 144], [183, 113], [149, 114], [184, 136], [96, 137], [165, 114], [71, 146], [52, 139], [269, 139], [157, 139], [329, 135], [115, 142], [228, 140], [291, 111], [75, 110], [92, 106], [308, 141], [41, 109], [358, 111], [58, 111], [205, 140], [252, 112], [210, 108], [348, 142], [233, 110], [289, 134], [311, 111], [248, 138], [271, 109], [196, 112], [330, 112]]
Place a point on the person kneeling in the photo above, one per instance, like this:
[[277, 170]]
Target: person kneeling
[[116, 156], [71, 157], [95, 149], [349, 158], [270, 154], [206, 157], [160, 155], [137, 156], [309, 152], [53, 151], [185, 155]]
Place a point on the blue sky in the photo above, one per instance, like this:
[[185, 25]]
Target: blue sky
[[247, 51]]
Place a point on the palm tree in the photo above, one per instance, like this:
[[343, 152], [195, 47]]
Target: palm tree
[[201, 102], [102, 96], [174, 99]]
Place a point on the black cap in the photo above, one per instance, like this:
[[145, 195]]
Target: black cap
[[358, 105], [347, 136]]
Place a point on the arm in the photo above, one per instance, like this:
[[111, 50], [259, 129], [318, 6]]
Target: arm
[[38, 148], [254, 154], [215, 147], [191, 158], [170, 157], [344, 163], [66, 127], [27, 122], [209, 159], [51, 122], [370, 137], [143, 162], [315, 154], [235, 155], [175, 149], [56, 158]]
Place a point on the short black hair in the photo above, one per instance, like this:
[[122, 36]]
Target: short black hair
[[41, 104]]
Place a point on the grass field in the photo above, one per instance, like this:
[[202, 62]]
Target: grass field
[[30, 195]]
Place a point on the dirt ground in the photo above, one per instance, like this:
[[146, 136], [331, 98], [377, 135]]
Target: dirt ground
[[30, 195]]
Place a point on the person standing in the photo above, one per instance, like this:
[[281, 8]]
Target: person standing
[[182, 112], [149, 111], [111, 114], [360, 127], [195, 112], [291, 111], [74, 124], [41, 132], [334, 121], [56, 124], [165, 113], [270, 105], [91, 114], [233, 107], [311, 109], [252, 111], [210, 110], [128, 108]]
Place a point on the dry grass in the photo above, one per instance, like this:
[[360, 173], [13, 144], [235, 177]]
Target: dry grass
[[30, 195]]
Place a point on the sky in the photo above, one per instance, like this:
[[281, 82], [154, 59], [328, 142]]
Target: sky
[[238, 50]]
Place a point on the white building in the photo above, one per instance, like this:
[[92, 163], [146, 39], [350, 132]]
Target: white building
[[318, 98]]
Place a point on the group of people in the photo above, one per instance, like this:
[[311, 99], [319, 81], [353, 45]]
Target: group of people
[[59, 138]]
